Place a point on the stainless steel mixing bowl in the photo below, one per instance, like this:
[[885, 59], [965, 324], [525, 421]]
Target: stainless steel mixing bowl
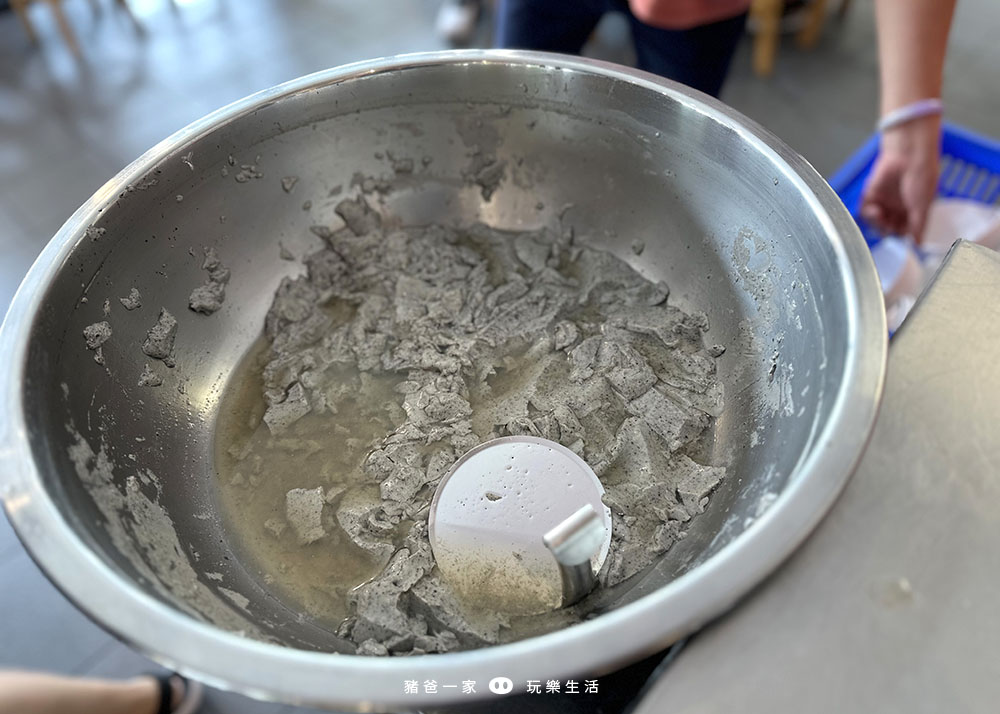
[[738, 225]]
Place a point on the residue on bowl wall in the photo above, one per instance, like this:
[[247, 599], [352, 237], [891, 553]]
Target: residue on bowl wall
[[143, 532]]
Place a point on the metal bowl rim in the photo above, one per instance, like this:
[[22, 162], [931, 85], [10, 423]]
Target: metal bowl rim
[[270, 671]]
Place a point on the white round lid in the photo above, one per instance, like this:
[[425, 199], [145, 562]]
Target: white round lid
[[491, 511]]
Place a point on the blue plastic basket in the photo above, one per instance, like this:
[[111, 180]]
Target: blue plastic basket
[[970, 168]]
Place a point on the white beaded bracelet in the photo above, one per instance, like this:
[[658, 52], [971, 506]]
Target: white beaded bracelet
[[909, 112]]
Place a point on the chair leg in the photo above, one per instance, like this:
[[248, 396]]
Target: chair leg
[[810, 33], [767, 15], [64, 28], [21, 8]]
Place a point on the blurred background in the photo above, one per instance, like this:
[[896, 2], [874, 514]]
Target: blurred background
[[86, 86]]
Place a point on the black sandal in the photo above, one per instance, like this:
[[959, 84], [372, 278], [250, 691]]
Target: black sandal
[[191, 699]]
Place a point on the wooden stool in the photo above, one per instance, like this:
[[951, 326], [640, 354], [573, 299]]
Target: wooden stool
[[21, 8], [767, 16]]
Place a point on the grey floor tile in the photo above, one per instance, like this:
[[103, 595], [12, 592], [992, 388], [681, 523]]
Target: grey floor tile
[[43, 199], [19, 249], [970, 85], [40, 629], [148, 115], [218, 702], [42, 136], [118, 661]]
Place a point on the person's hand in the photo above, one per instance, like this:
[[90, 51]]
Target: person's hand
[[903, 181]]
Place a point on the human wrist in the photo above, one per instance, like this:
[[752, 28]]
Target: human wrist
[[918, 139], [910, 111]]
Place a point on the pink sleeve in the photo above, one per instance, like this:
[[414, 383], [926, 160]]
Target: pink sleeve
[[685, 14]]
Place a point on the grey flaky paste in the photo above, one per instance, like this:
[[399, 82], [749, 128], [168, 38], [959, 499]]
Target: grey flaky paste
[[486, 333], [208, 297]]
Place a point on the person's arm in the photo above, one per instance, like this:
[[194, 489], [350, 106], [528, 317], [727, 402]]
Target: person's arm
[[912, 38]]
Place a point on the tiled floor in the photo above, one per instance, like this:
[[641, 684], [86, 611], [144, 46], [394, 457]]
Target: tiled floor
[[67, 126]]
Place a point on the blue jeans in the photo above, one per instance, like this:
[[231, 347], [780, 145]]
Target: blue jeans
[[698, 57]]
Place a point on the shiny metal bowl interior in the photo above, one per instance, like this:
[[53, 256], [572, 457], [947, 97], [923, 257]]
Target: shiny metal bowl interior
[[738, 225]]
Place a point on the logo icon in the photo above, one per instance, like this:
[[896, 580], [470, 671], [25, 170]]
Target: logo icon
[[501, 685]]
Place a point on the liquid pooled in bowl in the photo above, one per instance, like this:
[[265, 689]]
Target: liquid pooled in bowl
[[398, 351]]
